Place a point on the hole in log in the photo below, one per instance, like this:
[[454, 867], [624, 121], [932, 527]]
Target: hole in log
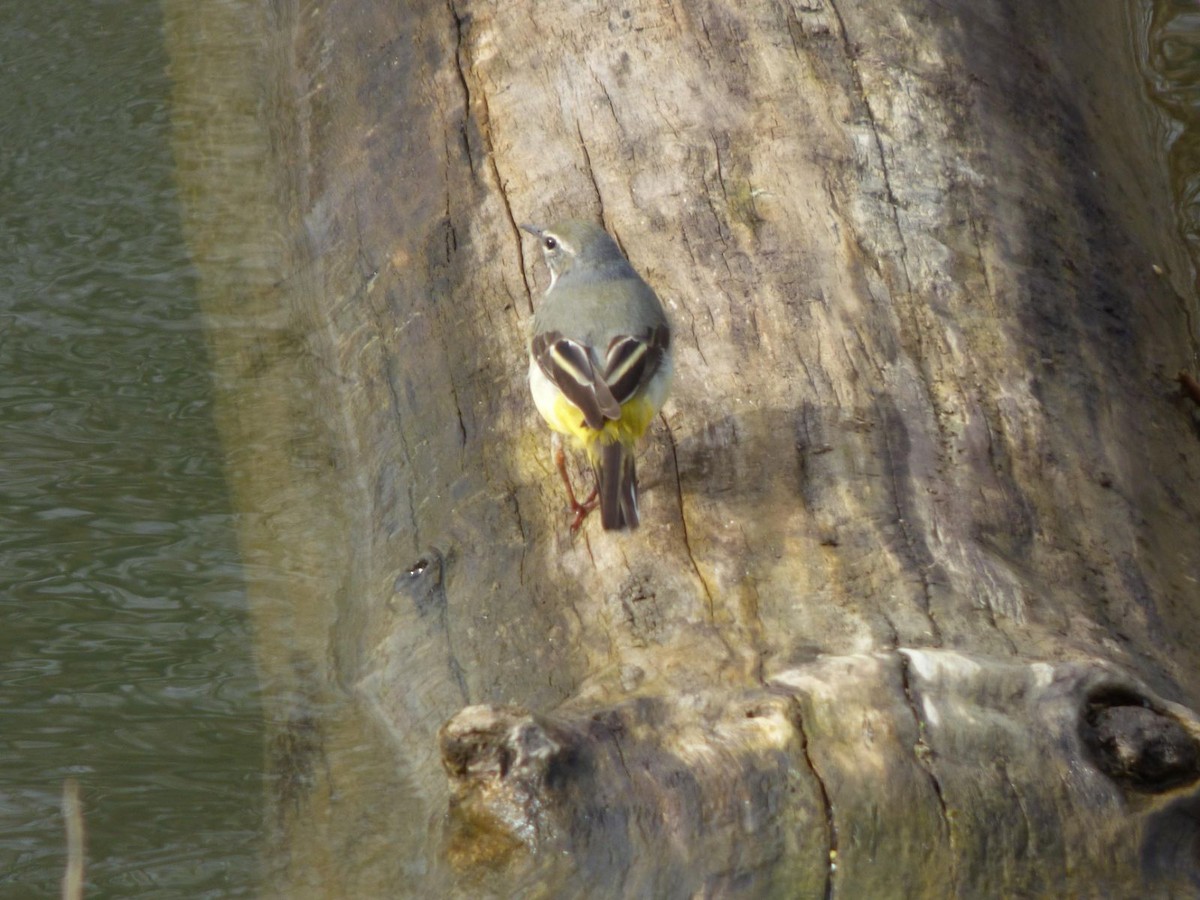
[[1137, 745]]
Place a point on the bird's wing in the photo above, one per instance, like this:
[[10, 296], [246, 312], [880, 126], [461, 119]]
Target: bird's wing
[[631, 361], [568, 364]]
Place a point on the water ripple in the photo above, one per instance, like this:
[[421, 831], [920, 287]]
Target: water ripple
[[126, 650]]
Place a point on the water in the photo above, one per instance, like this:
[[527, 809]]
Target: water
[[124, 654]]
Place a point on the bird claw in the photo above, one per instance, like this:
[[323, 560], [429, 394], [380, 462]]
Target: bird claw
[[581, 510]]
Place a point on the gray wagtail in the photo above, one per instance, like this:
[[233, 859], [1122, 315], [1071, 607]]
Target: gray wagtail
[[599, 362]]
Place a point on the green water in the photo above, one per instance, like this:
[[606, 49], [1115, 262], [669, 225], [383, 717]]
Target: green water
[[124, 653]]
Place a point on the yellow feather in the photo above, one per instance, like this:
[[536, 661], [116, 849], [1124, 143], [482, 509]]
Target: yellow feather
[[566, 418], [636, 415]]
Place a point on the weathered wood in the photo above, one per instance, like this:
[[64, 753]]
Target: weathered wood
[[911, 612]]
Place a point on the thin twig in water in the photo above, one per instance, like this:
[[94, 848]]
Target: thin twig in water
[[72, 809]]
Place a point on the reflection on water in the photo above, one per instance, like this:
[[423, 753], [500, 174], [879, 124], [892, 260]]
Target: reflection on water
[[125, 654]]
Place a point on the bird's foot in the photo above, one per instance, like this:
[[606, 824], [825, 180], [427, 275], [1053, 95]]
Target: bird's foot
[[581, 510]]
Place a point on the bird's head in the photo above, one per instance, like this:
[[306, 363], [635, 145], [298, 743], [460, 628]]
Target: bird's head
[[574, 246]]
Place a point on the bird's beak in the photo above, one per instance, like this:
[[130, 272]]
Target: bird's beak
[[532, 229]]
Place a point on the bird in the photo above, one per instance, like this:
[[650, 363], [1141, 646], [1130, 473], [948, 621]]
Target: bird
[[600, 363]]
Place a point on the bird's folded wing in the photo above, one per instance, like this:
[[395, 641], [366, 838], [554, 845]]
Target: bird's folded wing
[[568, 365], [632, 361]]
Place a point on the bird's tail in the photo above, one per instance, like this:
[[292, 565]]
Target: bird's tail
[[616, 481]]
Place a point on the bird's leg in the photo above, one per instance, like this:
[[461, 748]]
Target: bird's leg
[[580, 510]]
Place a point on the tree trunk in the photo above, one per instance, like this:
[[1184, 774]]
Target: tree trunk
[[911, 611]]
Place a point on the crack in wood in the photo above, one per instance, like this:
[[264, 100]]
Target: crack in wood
[[463, 66], [591, 173], [924, 754], [462, 428], [757, 628], [405, 450], [877, 137], [424, 584], [687, 544], [516, 505], [918, 564], [831, 832], [612, 110], [1028, 848], [461, 61]]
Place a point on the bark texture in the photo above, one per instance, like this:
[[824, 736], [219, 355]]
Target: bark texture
[[912, 610]]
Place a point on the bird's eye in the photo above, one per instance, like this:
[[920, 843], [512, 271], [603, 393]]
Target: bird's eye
[[550, 243]]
